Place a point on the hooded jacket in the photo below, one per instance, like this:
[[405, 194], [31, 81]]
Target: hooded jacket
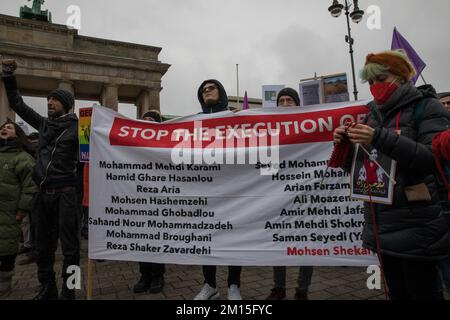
[[222, 105], [408, 229], [17, 189], [57, 151]]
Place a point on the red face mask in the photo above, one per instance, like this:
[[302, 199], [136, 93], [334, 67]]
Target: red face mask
[[382, 91]]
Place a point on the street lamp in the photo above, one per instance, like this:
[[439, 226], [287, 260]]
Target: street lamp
[[357, 15]]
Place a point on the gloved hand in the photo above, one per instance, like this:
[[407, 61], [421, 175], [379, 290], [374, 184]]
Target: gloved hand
[[9, 66], [342, 146]]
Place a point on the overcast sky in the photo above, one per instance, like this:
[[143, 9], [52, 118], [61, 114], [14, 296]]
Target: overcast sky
[[274, 42]]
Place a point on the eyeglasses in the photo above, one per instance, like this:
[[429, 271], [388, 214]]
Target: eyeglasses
[[209, 88]]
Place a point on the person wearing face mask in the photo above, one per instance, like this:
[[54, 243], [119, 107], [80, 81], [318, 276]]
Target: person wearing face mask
[[411, 234], [17, 189], [56, 205]]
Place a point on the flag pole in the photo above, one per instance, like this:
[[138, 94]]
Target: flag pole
[[90, 275], [423, 79], [237, 82]]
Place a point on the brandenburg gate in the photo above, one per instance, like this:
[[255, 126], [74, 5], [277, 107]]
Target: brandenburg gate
[[51, 56]]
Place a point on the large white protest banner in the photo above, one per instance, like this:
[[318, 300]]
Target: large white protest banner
[[224, 189]]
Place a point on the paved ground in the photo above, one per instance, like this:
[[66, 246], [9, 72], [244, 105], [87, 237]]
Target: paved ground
[[114, 280]]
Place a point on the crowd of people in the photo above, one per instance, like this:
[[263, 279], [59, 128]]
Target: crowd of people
[[45, 187]]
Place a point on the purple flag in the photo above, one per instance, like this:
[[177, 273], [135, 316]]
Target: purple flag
[[398, 42], [245, 105]]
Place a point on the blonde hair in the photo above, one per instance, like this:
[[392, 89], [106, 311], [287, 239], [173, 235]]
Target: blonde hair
[[372, 70]]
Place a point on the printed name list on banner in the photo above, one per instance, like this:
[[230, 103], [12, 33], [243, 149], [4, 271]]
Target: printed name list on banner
[[224, 189]]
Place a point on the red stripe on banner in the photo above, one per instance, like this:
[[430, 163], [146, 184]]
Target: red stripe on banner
[[235, 132]]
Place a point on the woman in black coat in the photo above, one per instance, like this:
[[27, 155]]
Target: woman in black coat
[[411, 234]]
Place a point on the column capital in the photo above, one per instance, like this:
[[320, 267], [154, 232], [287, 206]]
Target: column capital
[[66, 85], [148, 99], [149, 90], [65, 81], [110, 85]]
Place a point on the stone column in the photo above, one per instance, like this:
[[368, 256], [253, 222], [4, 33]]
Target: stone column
[[110, 97], [148, 100], [5, 111]]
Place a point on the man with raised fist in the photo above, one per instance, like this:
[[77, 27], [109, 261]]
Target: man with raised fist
[[56, 205]]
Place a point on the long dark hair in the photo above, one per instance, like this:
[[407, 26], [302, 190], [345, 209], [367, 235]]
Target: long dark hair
[[21, 138]]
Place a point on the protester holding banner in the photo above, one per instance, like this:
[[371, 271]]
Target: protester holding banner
[[17, 189], [213, 98], [410, 233], [288, 97], [152, 115], [55, 174], [152, 274]]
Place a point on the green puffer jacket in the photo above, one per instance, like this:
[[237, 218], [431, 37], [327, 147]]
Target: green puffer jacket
[[16, 192]]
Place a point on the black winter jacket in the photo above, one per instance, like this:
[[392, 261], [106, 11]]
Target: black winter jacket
[[57, 151], [418, 229]]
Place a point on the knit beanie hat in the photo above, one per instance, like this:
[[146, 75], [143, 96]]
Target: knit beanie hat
[[155, 114], [443, 95], [397, 63], [291, 93], [65, 97]]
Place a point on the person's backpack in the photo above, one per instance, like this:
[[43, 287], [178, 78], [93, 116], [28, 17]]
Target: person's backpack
[[419, 110]]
